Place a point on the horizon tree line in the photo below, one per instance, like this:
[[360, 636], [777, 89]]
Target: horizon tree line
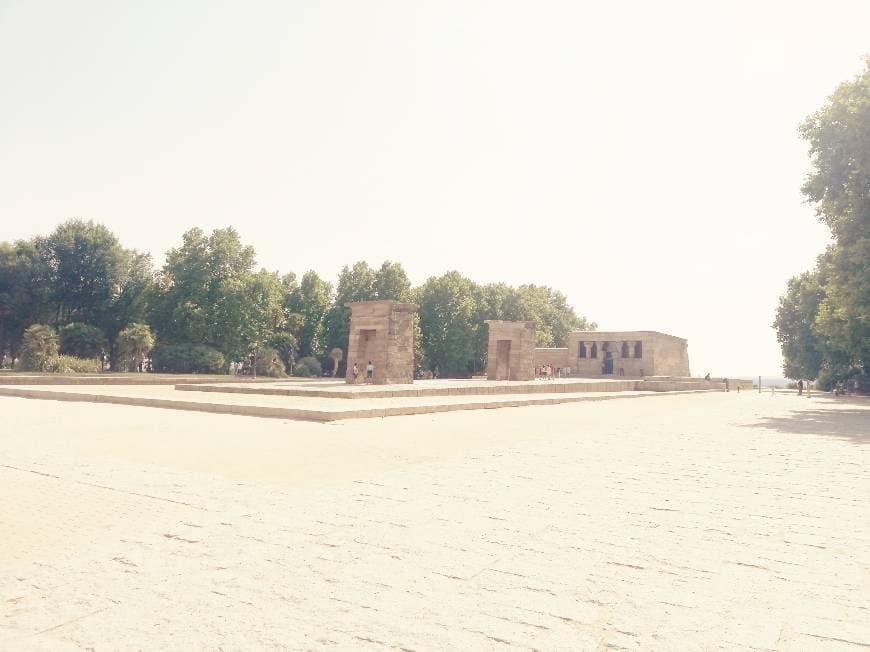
[[77, 300]]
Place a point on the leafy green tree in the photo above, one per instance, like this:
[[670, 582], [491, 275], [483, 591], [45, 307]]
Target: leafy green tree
[[391, 282], [795, 322], [82, 340], [839, 187], [134, 344], [39, 349], [449, 332], [839, 139], [287, 346], [132, 301], [311, 300], [209, 295], [554, 318], [26, 295], [354, 284], [87, 263], [293, 320]]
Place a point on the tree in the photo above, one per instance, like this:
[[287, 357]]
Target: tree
[[795, 321], [26, 295], [134, 344], [39, 350], [311, 300], [82, 340], [839, 139], [209, 295], [337, 355], [354, 284], [287, 346], [391, 282], [838, 185], [554, 318], [86, 262], [448, 330], [131, 304]]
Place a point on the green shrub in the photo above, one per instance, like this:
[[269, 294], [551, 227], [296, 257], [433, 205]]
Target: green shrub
[[39, 349], [188, 358], [69, 364], [269, 363], [82, 341], [308, 366]]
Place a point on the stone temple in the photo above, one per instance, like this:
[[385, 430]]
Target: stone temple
[[510, 352], [382, 332], [633, 354]]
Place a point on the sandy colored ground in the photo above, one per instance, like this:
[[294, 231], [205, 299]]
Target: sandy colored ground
[[694, 522]]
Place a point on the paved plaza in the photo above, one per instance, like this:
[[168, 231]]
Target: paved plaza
[[712, 521]]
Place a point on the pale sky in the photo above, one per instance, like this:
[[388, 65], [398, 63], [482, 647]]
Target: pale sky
[[642, 157]]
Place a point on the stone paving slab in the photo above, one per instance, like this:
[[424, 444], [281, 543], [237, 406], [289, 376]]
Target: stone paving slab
[[712, 522]]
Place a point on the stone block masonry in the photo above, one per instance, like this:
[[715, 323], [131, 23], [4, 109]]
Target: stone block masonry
[[631, 354], [381, 332], [510, 353]]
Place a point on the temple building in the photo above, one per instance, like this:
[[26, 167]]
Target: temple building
[[633, 354]]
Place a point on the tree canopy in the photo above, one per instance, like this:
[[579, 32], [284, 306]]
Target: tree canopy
[[823, 319]]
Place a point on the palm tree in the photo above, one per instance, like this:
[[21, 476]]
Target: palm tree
[[134, 344], [336, 354]]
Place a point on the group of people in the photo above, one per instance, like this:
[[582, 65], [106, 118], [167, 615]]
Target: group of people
[[370, 372], [548, 371]]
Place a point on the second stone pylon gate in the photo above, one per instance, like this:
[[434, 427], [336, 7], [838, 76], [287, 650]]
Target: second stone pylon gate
[[510, 353], [381, 332]]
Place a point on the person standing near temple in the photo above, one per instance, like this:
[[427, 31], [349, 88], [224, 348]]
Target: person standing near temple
[[370, 372]]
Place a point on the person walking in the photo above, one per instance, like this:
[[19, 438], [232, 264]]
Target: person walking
[[370, 372], [355, 372]]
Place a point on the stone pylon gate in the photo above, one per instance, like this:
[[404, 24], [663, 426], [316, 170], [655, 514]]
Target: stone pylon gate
[[381, 332], [510, 353]]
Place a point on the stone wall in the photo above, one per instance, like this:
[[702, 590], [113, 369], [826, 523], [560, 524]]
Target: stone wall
[[381, 332], [558, 357], [632, 354], [510, 350]]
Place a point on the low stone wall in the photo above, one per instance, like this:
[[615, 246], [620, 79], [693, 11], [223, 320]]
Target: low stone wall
[[558, 357], [13, 378], [688, 384]]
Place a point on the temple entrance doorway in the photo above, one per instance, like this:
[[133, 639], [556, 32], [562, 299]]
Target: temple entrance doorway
[[503, 360], [608, 364], [365, 350]]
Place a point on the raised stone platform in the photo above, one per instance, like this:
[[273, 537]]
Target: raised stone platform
[[25, 378], [443, 396], [424, 388], [453, 387]]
